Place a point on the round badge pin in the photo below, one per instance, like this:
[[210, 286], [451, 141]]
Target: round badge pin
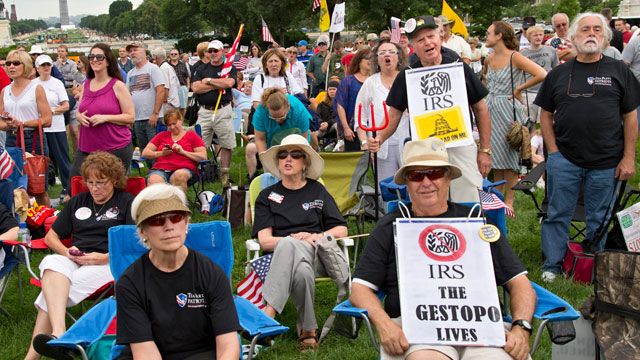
[[489, 233], [410, 25], [83, 213]]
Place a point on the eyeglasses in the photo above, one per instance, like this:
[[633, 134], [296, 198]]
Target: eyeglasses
[[96, 57], [561, 25], [173, 54], [387, 52], [14, 63], [279, 118], [159, 220], [431, 174], [97, 184], [213, 51], [45, 64], [359, 43], [295, 154], [593, 84]]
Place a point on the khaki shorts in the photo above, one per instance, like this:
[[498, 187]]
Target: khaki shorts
[[222, 126]]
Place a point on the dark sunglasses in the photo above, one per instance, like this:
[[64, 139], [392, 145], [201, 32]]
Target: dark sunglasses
[[295, 154], [96, 57], [45, 64], [213, 51], [322, 44], [14, 63], [159, 220], [431, 174], [173, 54]]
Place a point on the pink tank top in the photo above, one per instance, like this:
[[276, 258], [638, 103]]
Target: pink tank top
[[108, 136]]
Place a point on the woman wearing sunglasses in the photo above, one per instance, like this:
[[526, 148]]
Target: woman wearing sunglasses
[[24, 102], [173, 302], [72, 274], [290, 217], [106, 110]]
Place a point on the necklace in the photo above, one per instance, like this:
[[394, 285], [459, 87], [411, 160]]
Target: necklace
[[97, 212]]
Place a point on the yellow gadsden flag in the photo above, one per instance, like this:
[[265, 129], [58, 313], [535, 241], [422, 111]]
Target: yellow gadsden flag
[[325, 20], [458, 26]]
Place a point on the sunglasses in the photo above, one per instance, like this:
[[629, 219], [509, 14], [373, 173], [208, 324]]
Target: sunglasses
[[322, 44], [173, 54], [159, 220], [431, 174], [14, 63], [96, 57], [213, 51], [45, 64], [295, 154]]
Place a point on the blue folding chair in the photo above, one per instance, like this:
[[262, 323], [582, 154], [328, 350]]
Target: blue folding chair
[[212, 239], [6, 269]]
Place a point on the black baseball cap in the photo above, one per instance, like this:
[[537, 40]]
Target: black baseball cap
[[421, 22], [528, 22]]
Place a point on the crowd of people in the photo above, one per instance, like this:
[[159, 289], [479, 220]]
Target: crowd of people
[[577, 90]]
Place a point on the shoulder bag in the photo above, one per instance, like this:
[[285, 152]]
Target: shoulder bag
[[36, 166], [518, 136]]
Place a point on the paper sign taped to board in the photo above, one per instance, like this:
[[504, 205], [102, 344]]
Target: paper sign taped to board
[[438, 104], [446, 282], [629, 219]]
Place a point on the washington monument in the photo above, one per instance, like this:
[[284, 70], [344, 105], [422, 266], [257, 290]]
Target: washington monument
[[64, 12]]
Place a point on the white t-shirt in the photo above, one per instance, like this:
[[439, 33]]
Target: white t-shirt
[[299, 72], [269, 81], [459, 45], [56, 94], [537, 143], [172, 84]]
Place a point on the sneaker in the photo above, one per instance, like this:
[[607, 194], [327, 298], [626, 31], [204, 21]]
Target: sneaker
[[548, 276]]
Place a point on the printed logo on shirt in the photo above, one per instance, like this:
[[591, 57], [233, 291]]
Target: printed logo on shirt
[[140, 82], [191, 300], [110, 214], [315, 204], [601, 80], [275, 197]]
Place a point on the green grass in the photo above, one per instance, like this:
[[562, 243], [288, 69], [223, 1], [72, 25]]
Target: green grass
[[524, 236]]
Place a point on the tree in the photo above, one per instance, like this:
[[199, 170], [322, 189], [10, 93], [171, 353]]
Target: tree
[[178, 17], [27, 26], [119, 7], [547, 8]]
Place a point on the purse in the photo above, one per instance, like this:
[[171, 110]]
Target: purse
[[193, 106], [36, 166], [518, 136]]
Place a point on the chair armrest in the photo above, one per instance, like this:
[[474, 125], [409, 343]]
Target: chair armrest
[[253, 252], [346, 242], [551, 307]]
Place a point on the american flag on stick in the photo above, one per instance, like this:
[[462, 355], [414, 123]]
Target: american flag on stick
[[316, 5], [250, 287], [6, 164], [395, 30], [266, 34], [491, 201], [226, 68]]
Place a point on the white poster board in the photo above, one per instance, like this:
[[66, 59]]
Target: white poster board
[[629, 219], [244, 48], [337, 19], [447, 286], [438, 104]]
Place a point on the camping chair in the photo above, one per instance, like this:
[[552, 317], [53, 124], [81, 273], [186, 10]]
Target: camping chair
[[6, 269], [212, 239]]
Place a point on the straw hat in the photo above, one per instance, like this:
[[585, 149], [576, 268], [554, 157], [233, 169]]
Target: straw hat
[[428, 152], [149, 208], [445, 20], [315, 164]]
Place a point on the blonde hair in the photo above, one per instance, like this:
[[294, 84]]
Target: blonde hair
[[533, 29], [274, 98], [25, 59], [201, 48]]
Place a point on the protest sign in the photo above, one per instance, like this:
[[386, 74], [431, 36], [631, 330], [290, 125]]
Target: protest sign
[[629, 219], [446, 282], [438, 104]]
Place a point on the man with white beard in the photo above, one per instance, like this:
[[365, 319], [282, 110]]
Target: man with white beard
[[588, 120]]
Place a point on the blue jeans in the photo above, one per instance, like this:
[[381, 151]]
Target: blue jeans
[[59, 153], [144, 133], [563, 189]]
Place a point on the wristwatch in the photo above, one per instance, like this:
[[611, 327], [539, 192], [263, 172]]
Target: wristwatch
[[485, 150], [523, 324]]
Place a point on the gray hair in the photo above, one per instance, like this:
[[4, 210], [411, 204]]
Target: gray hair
[[375, 68], [555, 17], [608, 34], [159, 52]]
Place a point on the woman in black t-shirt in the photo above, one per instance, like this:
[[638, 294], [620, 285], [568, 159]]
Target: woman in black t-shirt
[[72, 274], [173, 302], [290, 217]]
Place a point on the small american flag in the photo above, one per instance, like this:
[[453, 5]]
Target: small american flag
[[241, 63], [316, 5], [250, 287], [266, 35], [395, 30], [226, 68], [491, 201], [6, 164]]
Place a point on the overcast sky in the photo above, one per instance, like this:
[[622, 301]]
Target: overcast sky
[[34, 9]]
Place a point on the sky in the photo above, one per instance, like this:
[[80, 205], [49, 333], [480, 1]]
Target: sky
[[35, 9]]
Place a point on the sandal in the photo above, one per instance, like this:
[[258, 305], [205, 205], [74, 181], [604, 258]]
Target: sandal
[[54, 352], [307, 346]]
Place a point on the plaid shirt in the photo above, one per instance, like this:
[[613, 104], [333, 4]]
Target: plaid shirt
[[68, 70], [181, 72]]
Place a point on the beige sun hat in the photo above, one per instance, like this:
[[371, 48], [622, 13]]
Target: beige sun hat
[[428, 152], [149, 208], [315, 164]]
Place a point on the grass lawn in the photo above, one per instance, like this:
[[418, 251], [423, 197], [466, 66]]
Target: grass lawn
[[524, 236]]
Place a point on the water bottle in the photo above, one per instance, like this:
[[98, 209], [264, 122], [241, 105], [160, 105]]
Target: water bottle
[[136, 154], [24, 236]]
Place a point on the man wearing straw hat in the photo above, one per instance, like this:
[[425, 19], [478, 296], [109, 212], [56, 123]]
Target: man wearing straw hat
[[453, 41], [427, 173], [216, 113]]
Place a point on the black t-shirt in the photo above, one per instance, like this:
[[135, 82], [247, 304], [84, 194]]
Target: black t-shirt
[[309, 209], [398, 93], [87, 223], [181, 311], [377, 265], [589, 130], [211, 97], [7, 221]]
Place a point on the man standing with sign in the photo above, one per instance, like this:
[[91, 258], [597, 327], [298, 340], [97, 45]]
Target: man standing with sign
[[475, 162], [427, 173]]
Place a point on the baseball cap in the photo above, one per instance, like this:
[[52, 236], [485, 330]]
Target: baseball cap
[[43, 59], [528, 22], [216, 44], [303, 43], [134, 44], [372, 36], [421, 22]]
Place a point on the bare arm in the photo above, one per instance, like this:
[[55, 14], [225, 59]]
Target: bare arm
[[145, 351], [522, 305], [266, 239], [11, 234], [61, 108], [227, 346], [626, 168], [43, 109], [536, 71], [546, 126], [261, 141], [3, 124], [125, 100], [481, 112]]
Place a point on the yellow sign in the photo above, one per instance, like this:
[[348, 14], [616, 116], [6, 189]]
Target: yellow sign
[[325, 20], [447, 124], [458, 26]]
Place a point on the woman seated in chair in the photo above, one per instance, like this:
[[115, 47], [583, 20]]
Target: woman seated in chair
[[290, 217], [176, 152], [203, 323], [72, 274]]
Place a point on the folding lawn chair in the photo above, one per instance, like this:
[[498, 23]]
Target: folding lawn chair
[[212, 239], [7, 266]]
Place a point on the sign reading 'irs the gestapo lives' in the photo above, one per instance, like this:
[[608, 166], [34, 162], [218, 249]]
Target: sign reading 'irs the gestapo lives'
[[438, 105], [448, 292]]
